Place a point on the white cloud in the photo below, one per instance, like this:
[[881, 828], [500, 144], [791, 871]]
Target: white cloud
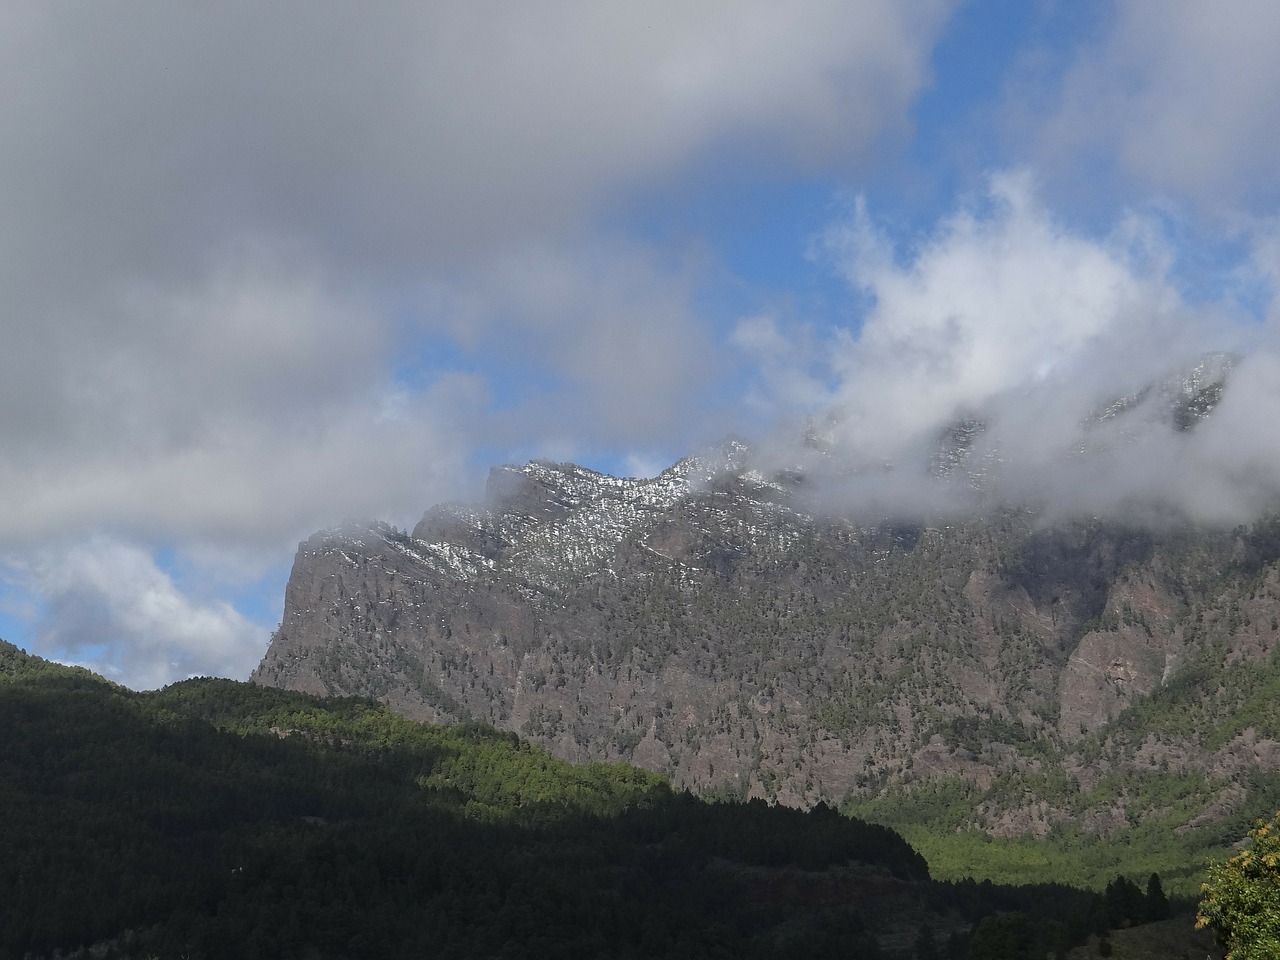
[[1182, 95], [109, 607], [788, 361], [1006, 316], [998, 300]]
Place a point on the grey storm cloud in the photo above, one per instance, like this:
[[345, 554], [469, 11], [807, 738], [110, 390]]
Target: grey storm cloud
[[391, 134], [218, 217]]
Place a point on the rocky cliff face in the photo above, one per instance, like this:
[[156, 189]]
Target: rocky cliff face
[[708, 624]]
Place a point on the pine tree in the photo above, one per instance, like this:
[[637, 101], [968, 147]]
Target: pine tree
[[1157, 902]]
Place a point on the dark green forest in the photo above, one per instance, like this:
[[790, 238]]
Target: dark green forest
[[220, 819]]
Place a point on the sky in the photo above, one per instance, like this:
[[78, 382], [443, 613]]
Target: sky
[[269, 266]]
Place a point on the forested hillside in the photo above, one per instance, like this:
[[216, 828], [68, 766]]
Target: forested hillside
[[220, 819]]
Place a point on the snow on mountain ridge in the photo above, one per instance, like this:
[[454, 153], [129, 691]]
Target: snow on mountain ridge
[[550, 524]]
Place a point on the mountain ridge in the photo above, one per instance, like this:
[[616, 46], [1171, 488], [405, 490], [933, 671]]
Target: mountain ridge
[[715, 623], [1055, 631]]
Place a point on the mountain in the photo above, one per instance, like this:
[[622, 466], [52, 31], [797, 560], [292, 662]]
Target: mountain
[[992, 674]]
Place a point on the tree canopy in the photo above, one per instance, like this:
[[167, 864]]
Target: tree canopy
[[1241, 899]]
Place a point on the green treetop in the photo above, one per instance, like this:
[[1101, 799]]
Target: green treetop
[[1241, 899]]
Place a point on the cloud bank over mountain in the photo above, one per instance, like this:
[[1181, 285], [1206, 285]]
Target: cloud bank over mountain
[[1063, 356]]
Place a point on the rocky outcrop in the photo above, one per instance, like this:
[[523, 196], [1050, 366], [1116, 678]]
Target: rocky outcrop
[[709, 623]]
